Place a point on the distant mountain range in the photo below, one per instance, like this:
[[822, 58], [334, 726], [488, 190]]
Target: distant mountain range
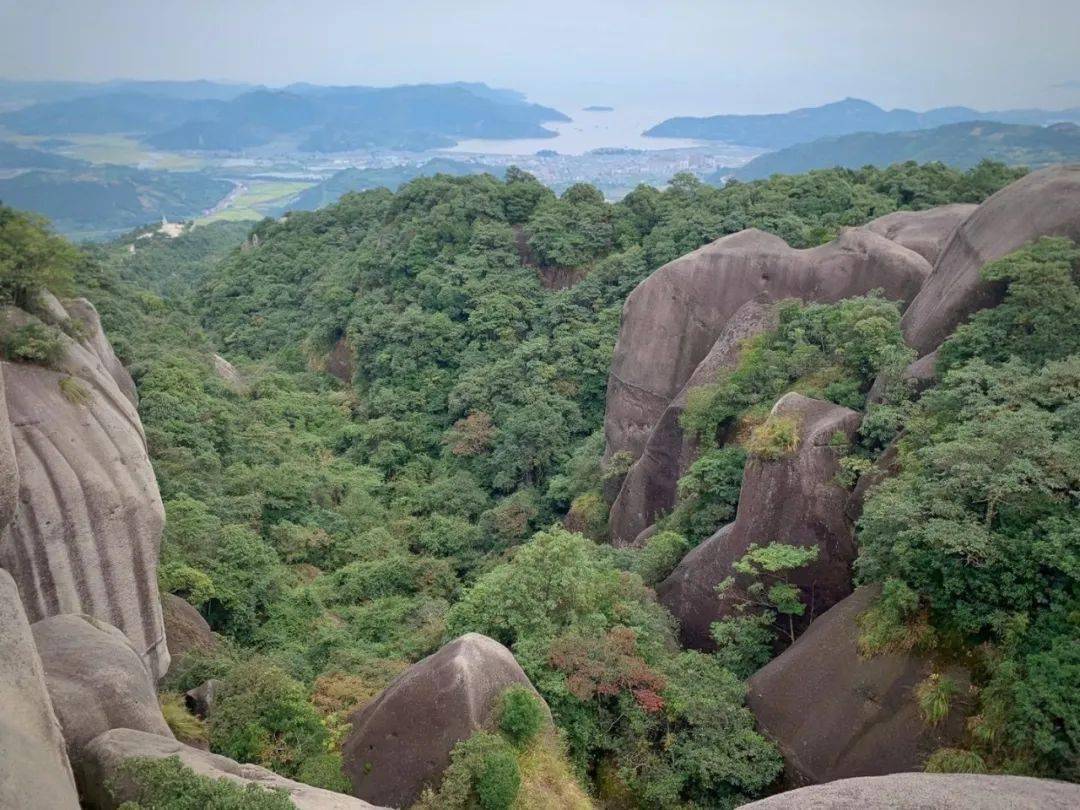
[[332, 188], [779, 130], [960, 145], [18, 157], [171, 115]]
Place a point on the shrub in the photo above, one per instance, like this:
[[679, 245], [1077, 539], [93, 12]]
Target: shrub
[[498, 781], [33, 343], [520, 715], [483, 770], [774, 439], [588, 515], [660, 555], [187, 727], [168, 784], [933, 695], [74, 391], [954, 760]]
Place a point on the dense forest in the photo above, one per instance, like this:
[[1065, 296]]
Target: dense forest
[[447, 476]]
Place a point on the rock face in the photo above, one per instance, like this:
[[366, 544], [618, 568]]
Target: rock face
[[340, 362], [793, 500], [836, 715], [34, 769], [925, 232], [96, 681], [88, 521], [185, 628], [673, 318], [922, 791], [650, 486], [1044, 203], [105, 754], [401, 741]]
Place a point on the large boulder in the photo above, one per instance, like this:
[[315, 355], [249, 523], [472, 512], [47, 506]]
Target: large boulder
[[88, 521], [400, 743], [106, 787], [1044, 203], [835, 714], [185, 628], [672, 319], [925, 232], [34, 769], [96, 681], [793, 500], [928, 791], [650, 486]]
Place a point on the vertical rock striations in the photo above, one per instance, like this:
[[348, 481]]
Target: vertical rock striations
[[88, 520]]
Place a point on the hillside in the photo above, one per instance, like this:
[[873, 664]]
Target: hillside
[[102, 201], [386, 467], [324, 119], [779, 130], [961, 145]]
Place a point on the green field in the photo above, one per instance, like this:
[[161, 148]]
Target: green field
[[257, 199]]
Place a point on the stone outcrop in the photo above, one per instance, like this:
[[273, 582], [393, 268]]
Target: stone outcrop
[[1044, 203], [228, 374], [835, 714], [185, 628], [106, 787], [88, 521], [340, 362], [650, 486], [672, 319], [923, 791], [34, 769], [792, 500], [96, 681], [925, 232], [401, 741]]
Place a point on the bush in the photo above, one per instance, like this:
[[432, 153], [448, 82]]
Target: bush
[[168, 784], [498, 781], [187, 727], [74, 391], [774, 439], [520, 715], [483, 771], [33, 343], [660, 555], [954, 760]]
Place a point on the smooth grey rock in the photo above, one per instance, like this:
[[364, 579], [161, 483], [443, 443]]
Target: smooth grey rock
[[34, 768], [400, 743], [650, 487], [929, 791], [185, 628], [1044, 203], [672, 319], [105, 754], [835, 714], [200, 700], [96, 681], [89, 517], [793, 500], [96, 341], [926, 232]]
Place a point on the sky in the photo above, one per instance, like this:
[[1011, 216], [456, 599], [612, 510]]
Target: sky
[[674, 56]]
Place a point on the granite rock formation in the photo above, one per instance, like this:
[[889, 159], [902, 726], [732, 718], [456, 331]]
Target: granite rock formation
[[926, 232], [96, 681], [923, 791], [88, 520], [400, 743], [103, 756], [835, 714], [793, 500], [1044, 203], [185, 628], [34, 769]]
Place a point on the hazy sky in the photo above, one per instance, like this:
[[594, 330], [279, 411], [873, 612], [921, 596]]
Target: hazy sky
[[673, 55]]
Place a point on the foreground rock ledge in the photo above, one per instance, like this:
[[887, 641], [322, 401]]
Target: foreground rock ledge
[[400, 743], [929, 791], [106, 753]]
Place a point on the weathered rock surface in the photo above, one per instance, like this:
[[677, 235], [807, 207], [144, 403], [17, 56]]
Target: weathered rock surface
[[401, 741], [340, 362], [793, 500], [96, 681], [673, 318], [200, 700], [88, 520], [925, 232], [1044, 203], [836, 715], [928, 791], [227, 373], [104, 755], [83, 310], [650, 486], [185, 628], [34, 769]]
